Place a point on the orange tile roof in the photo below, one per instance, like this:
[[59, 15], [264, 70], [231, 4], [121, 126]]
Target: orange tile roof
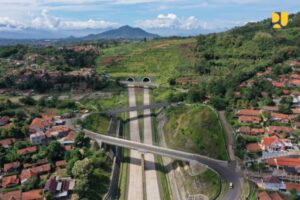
[[13, 195], [296, 111], [284, 161], [10, 180], [295, 82], [270, 108], [38, 123], [253, 147], [263, 196], [279, 115], [277, 84], [27, 174], [295, 76], [268, 141], [249, 119], [33, 195], [13, 165], [57, 129], [248, 112], [27, 150], [7, 142], [279, 129], [275, 196], [61, 163], [290, 186], [41, 169]]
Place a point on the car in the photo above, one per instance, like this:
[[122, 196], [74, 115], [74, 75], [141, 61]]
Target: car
[[230, 185]]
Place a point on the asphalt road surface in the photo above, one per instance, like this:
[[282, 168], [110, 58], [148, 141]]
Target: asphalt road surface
[[229, 171], [135, 182], [152, 187]]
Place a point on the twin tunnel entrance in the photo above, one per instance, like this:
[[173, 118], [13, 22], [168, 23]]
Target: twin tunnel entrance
[[145, 80]]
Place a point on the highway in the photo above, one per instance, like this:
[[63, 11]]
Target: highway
[[228, 171], [152, 187], [135, 178]]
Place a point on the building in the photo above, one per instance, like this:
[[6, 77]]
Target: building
[[26, 175], [60, 188], [279, 130], [254, 148], [249, 119], [273, 183], [282, 162], [273, 143], [8, 167], [33, 195], [10, 181], [41, 169], [61, 163], [38, 138], [28, 150], [250, 131], [279, 117], [13, 195], [290, 186], [58, 132], [248, 112], [7, 143], [269, 196]]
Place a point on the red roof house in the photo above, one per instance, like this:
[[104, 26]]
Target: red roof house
[[6, 143], [10, 181], [27, 174], [249, 119], [13, 195], [11, 166], [27, 150], [33, 195], [248, 112]]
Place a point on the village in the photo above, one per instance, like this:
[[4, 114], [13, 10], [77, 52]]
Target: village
[[270, 133]]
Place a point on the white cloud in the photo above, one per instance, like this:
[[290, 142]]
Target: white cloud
[[45, 21], [171, 21]]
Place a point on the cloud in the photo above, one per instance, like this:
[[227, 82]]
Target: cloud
[[45, 21], [171, 21]]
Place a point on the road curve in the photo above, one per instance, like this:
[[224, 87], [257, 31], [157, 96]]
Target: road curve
[[228, 171]]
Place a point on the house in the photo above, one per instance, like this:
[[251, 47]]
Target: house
[[58, 132], [263, 196], [279, 130], [11, 166], [249, 119], [69, 139], [254, 147], [250, 131], [33, 195], [296, 111], [13, 195], [290, 186], [4, 120], [273, 143], [294, 83], [270, 108], [10, 181], [273, 183], [296, 125], [278, 84], [27, 150], [41, 169], [59, 187], [7, 143], [295, 76], [279, 117], [38, 138], [61, 163], [283, 161], [39, 125], [248, 112], [27, 174]]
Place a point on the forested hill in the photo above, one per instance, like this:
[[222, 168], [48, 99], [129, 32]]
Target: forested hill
[[236, 55]]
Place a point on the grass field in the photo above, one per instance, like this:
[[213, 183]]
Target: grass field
[[97, 123], [160, 59], [195, 128]]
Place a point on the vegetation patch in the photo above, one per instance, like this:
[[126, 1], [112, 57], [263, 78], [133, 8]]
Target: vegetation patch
[[196, 129], [96, 122]]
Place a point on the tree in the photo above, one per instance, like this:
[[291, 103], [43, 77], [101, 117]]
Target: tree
[[293, 194], [196, 95], [55, 151], [28, 100], [218, 102], [82, 141]]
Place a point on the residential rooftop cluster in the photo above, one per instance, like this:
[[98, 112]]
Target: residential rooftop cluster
[[268, 128], [34, 173]]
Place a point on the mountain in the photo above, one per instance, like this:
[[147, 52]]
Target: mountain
[[124, 32]]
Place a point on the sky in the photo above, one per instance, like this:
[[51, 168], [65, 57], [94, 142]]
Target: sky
[[63, 18]]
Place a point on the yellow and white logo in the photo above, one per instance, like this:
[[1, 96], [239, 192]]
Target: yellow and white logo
[[280, 19]]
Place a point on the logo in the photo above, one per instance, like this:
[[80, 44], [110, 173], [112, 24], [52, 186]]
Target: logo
[[280, 19]]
